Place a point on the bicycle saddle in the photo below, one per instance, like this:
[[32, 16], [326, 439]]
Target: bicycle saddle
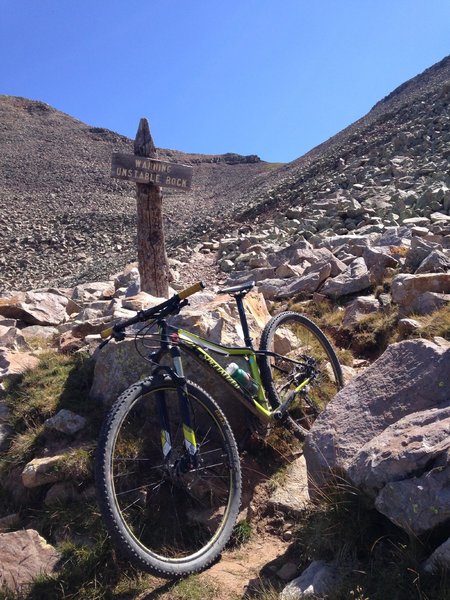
[[243, 288]]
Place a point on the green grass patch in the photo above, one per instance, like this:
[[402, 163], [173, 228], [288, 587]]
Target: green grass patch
[[376, 560], [194, 588], [242, 533]]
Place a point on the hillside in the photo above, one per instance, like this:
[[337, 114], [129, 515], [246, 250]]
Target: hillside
[[66, 221]]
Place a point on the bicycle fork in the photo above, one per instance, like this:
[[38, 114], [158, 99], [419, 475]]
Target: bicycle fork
[[189, 460]]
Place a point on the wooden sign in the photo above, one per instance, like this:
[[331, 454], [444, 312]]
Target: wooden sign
[[149, 170]]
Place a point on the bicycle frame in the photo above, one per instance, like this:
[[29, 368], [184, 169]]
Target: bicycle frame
[[198, 347]]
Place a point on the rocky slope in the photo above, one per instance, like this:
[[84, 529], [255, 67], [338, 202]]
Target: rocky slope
[[64, 220]]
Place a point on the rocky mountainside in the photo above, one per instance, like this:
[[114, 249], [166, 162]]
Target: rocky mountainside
[[64, 220]]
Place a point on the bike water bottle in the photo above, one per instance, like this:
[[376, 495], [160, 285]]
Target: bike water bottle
[[243, 378]]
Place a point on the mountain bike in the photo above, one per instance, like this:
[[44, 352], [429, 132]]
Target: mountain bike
[[167, 465]]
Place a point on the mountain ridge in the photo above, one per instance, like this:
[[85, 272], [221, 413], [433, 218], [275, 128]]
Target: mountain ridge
[[66, 221]]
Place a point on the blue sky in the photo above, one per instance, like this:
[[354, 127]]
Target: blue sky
[[267, 77]]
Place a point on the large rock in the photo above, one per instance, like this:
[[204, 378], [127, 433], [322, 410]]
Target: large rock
[[417, 504], [41, 471], [119, 365], [307, 284], [406, 289], [435, 262], [23, 556], [402, 450], [355, 279], [35, 308], [409, 377], [387, 433], [15, 363]]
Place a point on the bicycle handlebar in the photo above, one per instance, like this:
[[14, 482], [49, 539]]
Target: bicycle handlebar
[[167, 307]]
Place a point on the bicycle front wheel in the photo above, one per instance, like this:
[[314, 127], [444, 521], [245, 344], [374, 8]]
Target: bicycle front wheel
[[302, 351], [170, 516]]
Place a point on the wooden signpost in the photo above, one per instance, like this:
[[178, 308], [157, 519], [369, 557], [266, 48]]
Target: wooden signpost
[[150, 174]]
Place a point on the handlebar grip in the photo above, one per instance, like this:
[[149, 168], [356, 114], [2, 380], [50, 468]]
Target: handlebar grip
[[197, 287]]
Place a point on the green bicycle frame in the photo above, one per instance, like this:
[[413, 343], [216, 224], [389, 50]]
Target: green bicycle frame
[[198, 347]]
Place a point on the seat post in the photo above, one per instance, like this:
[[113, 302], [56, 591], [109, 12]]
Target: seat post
[[243, 319]]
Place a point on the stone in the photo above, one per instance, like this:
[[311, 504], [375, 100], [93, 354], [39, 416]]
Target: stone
[[66, 421], [68, 343], [292, 496], [141, 301], [410, 376], [428, 302], [402, 450], [359, 308], [15, 363], [435, 262], [5, 435], [405, 288], [419, 250], [439, 559], [354, 279], [379, 258], [288, 571], [11, 337], [23, 556], [286, 270], [418, 504], [9, 521], [61, 492], [407, 326], [316, 581], [35, 308], [134, 282], [41, 471], [39, 332], [307, 284], [87, 292], [270, 288]]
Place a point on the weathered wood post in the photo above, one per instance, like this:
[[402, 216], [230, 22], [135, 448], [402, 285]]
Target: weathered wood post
[[151, 246], [150, 174]]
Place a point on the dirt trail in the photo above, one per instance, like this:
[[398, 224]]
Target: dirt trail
[[239, 568]]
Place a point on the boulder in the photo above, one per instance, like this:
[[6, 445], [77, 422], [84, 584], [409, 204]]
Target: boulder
[[439, 559], [307, 284], [406, 288], [355, 279], [402, 450], [409, 377], [66, 421], [428, 302], [35, 308], [418, 252], [435, 262], [24, 555], [417, 504], [119, 365], [359, 308], [386, 432], [315, 581]]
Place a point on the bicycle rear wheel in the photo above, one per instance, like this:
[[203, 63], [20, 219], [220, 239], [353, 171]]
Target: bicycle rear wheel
[[303, 351], [169, 517]]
